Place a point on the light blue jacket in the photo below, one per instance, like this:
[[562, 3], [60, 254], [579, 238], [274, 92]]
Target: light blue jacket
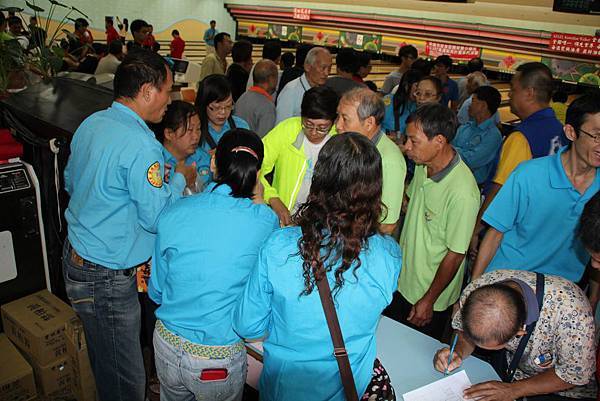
[[206, 246], [115, 178], [202, 159], [389, 124], [216, 136], [298, 353], [478, 146]]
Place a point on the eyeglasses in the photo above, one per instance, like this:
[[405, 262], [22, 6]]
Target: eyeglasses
[[318, 130], [426, 95], [596, 138], [220, 109]]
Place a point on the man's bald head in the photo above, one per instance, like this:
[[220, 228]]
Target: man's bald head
[[493, 314], [264, 70], [265, 75]]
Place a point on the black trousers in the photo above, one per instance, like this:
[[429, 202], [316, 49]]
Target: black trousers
[[400, 308]]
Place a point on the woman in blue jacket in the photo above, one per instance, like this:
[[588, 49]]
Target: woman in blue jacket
[[214, 103], [206, 246], [336, 237], [179, 133]]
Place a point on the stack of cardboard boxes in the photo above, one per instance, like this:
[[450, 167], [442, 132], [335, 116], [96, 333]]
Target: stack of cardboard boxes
[[51, 339]]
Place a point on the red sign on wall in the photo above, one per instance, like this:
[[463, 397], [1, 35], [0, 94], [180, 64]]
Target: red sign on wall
[[302, 13], [457, 52], [576, 44]]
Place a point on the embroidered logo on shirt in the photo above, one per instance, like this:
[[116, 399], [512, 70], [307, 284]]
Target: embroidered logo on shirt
[[154, 177], [387, 101]]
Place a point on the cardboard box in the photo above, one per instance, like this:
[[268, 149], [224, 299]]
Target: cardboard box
[[54, 380], [84, 386], [36, 324], [16, 376]]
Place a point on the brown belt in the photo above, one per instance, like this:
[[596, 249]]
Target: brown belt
[[79, 261]]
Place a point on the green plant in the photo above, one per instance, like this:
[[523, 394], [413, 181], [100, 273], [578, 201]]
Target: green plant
[[47, 59], [12, 58]]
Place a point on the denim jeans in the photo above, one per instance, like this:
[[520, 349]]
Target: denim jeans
[[107, 303], [179, 374]]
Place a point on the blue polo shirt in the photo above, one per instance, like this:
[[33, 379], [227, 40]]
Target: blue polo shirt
[[217, 135], [298, 355], [206, 246], [449, 92], [389, 123], [478, 146], [202, 159], [463, 112], [115, 179], [538, 211]]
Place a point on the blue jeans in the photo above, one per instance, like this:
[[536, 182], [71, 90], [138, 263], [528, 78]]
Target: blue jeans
[[107, 303], [179, 374]]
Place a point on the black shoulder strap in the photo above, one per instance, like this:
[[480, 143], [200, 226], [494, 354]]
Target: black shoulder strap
[[231, 122], [539, 294], [339, 348], [207, 137]]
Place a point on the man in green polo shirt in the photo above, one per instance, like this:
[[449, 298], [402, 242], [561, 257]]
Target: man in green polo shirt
[[442, 209], [361, 110]]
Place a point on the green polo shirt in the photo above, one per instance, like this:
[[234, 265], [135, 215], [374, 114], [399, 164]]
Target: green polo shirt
[[394, 173], [441, 215]]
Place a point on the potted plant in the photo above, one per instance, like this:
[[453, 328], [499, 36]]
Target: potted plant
[[47, 58], [12, 66]]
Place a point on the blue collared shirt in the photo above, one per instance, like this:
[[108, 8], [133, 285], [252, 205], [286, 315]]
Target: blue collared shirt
[[463, 112], [538, 211], [206, 246], [298, 360], [449, 92], [478, 146], [217, 135], [389, 123], [290, 99], [202, 159], [209, 36], [115, 178]]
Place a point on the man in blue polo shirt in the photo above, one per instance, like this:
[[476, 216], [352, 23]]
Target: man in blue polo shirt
[[115, 178], [441, 67], [534, 217], [479, 140]]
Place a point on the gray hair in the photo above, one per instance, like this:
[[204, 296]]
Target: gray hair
[[477, 78], [311, 56], [263, 70], [370, 103]]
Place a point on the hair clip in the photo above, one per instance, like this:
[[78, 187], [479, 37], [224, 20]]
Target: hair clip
[[245, 149]]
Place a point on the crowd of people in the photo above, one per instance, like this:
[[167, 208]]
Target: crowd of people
[[406, 201]]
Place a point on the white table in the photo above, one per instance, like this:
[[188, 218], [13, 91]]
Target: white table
[[406, 354]]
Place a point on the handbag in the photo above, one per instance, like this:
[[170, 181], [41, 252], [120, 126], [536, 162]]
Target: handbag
[[380, 387]]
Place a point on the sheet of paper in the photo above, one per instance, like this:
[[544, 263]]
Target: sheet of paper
[[450, 388]]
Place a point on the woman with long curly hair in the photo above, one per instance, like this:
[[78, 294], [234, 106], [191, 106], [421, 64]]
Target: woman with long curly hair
[[335, 238]]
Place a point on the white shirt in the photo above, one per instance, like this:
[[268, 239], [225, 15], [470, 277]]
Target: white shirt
[[107, 65], [311, 150], [289, 100]]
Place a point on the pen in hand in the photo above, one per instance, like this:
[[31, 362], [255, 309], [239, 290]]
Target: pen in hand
[[451, 353]]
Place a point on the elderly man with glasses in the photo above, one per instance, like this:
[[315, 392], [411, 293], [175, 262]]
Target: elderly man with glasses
[[292, 149], [534, 217], [361, 110]]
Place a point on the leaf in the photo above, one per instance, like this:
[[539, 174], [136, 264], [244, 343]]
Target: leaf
[[58, 51], [80, 12], [12, 9], [34, 7], [56, 3]]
